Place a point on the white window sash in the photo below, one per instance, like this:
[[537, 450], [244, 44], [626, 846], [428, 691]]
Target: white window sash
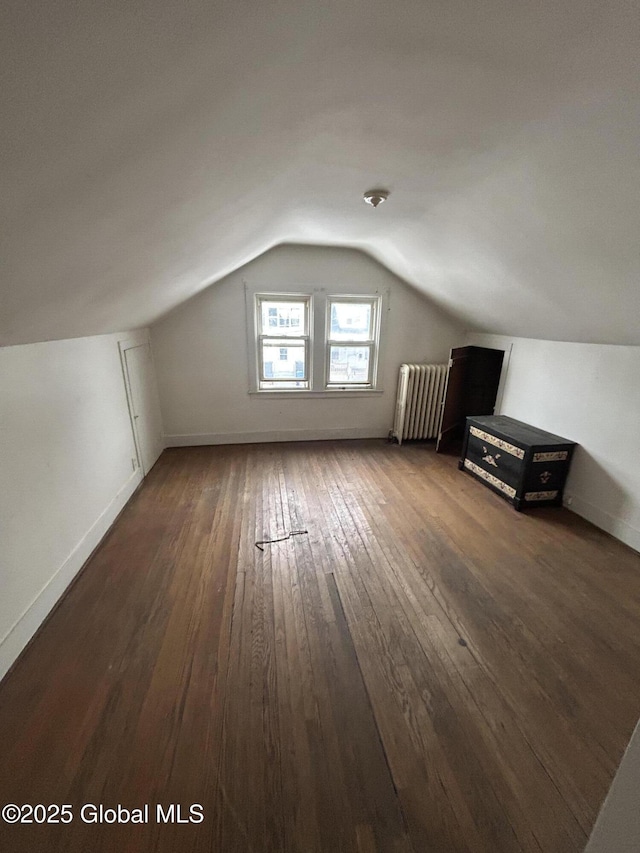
[[368, 382], [372, 343], [281, 341], [304, 299]]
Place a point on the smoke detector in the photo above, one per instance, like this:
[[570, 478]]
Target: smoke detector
[[376, 197]]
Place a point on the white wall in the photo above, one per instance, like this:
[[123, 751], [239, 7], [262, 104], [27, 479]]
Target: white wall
[[617, 828], [201, 354], [66, 450], [588, 393]]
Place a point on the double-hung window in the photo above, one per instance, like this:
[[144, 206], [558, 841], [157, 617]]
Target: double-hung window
[[314, 342], [283, 337], [351, 342]]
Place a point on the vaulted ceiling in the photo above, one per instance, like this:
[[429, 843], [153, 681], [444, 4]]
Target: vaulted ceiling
[[151, 147]]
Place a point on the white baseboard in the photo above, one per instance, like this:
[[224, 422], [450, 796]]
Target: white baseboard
[[604, 520], [272, 435], [28, 623]]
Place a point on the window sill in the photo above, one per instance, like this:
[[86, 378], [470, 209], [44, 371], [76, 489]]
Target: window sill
[[330, 392]]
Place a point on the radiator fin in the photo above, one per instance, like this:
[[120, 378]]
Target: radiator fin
[[419, 401]]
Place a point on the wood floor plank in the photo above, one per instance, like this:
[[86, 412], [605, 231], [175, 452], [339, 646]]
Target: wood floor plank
[[423, 670]]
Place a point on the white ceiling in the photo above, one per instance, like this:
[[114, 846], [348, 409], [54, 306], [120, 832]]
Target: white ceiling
[[151, 147]]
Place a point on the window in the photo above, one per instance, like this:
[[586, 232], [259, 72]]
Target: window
[[351, 342], [313, 342], [283, 341]]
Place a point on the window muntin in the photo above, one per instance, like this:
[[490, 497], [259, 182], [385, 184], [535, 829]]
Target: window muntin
[[283, 340], [352, 342]]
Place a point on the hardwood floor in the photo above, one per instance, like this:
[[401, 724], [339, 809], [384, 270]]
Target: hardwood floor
[[424, 670]]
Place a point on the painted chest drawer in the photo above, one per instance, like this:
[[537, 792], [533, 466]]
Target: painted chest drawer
[[526, 465]]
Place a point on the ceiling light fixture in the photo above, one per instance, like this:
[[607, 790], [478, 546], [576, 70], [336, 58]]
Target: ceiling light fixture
[[376, 197]]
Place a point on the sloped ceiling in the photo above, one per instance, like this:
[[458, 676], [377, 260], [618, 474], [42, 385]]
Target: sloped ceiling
[[151, 147]]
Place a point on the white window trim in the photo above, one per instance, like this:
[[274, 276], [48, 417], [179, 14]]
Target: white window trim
[[318, 342], [373, 343], [260, 336]]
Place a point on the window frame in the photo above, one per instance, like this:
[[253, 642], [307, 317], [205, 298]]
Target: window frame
[[317, 369], [283, 341], [372, 343]]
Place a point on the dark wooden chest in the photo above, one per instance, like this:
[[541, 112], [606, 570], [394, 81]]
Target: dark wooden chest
[[526, 465]]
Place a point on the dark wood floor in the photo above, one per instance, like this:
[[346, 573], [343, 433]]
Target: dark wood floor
[[425, 670]]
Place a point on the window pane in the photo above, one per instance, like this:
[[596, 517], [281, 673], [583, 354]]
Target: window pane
[[283, 362], [349, 365], [350, 321], [283, 318]]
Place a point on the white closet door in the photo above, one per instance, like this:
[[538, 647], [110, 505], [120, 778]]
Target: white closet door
[[144, 404]]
